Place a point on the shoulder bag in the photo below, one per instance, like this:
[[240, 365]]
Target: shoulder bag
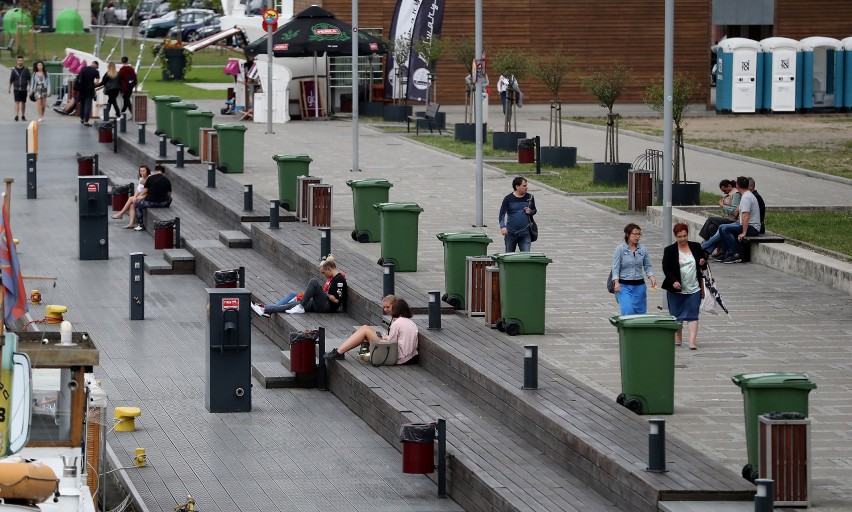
[[533, 227]]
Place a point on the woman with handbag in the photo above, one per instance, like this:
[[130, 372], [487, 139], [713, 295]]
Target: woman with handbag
[[40, 88], [683, 262], [630, 264], [112, 87], [516, 217], [403, 332]]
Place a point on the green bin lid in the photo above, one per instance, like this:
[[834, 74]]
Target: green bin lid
[[521, 257], [183, 105], [166, 98], [464, 237], [411, 207], [646, 321], [797, 380], [292, 158], [230, 127], [369, 183], [200, 113]]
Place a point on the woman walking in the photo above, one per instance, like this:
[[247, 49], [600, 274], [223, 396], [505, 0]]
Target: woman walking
[[630, 264], [40, 87], [684, 281], [112, 87]]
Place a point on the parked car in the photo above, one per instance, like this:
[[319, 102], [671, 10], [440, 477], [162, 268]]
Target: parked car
[[159, 27], [191, 24], [152, 9]]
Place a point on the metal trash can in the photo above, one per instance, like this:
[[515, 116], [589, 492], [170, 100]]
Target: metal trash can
[[457, 247], [164, 234], [366, 193], [523, 280], [646, 350], [120, 195], [85, 165], [164, 114], [231, 147], [399, 234], [526, 151], [303, 352], [105, 132], [226, 278], [290, 167], [418, 448]]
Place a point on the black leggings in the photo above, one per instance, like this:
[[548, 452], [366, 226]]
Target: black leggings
[[112, 101], [126, 105]]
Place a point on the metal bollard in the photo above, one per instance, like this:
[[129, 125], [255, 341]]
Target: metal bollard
[[441, 429], [764, 500], [177, 232], [537, 154], [530, 367], [241, 277], [141, 132], [137, 286], [274, 213], [179, 157], [115, 137], [106, 114], [322, 380], [32, 183], [211, 175], [657, 445], [122, 123], [162, 146], [388, 280], [96, 165], [247, 198], [434, 310], [325, 243]]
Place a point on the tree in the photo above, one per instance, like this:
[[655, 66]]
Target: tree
[[552, 69], [400, 48], [606, 84], [685, 90], [514, 64], [463, 50]]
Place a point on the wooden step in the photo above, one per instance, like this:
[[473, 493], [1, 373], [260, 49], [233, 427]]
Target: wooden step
[[235, 239], [181, 261]]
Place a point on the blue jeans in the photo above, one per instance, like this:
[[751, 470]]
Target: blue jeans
[[633, 299], [521, 240], [282, 305], [726, 238]]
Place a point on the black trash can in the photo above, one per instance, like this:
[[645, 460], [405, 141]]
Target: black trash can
[[226, 278], [164, 234], [85, 165], [120, 195], [418, 448], [105, 132], [526, 151], [303, 352]]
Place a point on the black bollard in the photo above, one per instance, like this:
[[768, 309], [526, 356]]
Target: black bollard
[[162, 146], [179, 157], [115, 137], [530, 367], [122, 123], [106, 113], [322, 380], [764, 497], [96, 165], [211, 175], [274, 214], [241, 277], [177, 232], [325, 243], [137, 286], [141, 127], [388, 279], [537, 154], [247, 198], [657, 445], [441, 429], [32, 183], [434, 310]]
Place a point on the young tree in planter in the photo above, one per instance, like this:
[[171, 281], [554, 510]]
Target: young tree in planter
[[430, 51], [606, 84], [400, 48], [463, 50], [685, 91], [514, 64], [552, 70]]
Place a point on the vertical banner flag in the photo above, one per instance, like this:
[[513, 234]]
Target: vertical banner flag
[[413, 20], [15, 300]]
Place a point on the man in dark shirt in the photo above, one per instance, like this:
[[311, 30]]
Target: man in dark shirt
[[157, 194], [751, 187], [127, 76], [85, 85], [20, 82]]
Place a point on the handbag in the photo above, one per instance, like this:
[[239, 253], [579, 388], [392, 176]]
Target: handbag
[[610, 283], [383, 353], [533, 227], [32, 96]]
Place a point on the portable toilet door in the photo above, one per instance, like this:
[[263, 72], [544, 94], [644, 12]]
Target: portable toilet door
[[737, 79], [781, 67], [845, 58], [819, 73]]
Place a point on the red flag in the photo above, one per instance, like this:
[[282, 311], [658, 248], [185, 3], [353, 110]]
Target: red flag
[[14, 296]]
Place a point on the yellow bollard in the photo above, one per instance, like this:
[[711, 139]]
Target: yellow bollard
[[35, 297], [53, 313], [141, 459], [126, 418]]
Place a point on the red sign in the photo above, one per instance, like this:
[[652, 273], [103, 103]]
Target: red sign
[[330, 31], [92, 187], [230, 304], [267, 25], [270, 16], [281, 47]]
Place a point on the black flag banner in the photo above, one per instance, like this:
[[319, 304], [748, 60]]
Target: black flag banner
[[413, 20]]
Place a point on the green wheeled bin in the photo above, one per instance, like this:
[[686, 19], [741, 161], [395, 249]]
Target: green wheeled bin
[[523, 280], [179, 110], [291, 167], [457, 247], [646, 349], [195, 121], [231, 147], [769, 392], [366, 193], [164, 113], [399, 234]]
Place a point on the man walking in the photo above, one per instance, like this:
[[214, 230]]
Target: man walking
[[85, 85], [157, 194], [127, 76], [729, 237], [516, 213], [20, 82]]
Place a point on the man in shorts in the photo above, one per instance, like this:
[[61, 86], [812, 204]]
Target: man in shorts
[[20, 82]]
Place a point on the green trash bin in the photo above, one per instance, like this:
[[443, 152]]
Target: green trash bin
[[179, 110], [769, 392], [398, 223], [164, 113], [522, 286], [195, 121], [289, 168], [366, 193], [646, 349], [457, 247], [231, 147]]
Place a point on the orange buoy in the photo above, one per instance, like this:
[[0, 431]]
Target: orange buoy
[[31, 481]]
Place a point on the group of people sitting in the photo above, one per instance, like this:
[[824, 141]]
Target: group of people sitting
[[154, 190], [744, 215]]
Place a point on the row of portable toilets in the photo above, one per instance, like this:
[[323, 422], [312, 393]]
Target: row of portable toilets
[[784, 75]]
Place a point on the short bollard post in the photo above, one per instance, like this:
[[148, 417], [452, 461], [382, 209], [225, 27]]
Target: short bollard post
[[247, 198], [177, 233], [322, 380], [241, 277], [162, 146], [530, 367], [442, 457], [325, 243], [32, 183], [274, 213], [537, 154], [657, 445], [115, 137], [764, 500], [434, 310], [179, 157], [106, 113], [96, 165], [137, 286], [388, 279], [141, 132], [211, 175], [122, 123]]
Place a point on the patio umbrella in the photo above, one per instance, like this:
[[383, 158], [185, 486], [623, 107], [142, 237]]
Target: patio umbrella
[[314, 32], [710, 287]]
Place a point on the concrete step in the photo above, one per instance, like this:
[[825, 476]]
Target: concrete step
[[272, 375], [235, 239], [181, 261], [157, 267]]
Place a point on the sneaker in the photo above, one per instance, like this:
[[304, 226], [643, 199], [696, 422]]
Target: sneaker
[[23, 118], [722, 256], [334, 355], [733, 259], [138, 227], [16, 118], [259, 309], [296, 310]]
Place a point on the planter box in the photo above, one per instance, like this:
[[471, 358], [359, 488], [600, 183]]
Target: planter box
[[371, 109], [398, 113], [610, 174], [466, 132], [684, 193], [559, 157], [508, 141], [176, 62]]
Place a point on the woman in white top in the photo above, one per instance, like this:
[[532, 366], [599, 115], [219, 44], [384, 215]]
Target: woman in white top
[[139, 193]]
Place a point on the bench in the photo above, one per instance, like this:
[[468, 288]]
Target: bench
[[429, 117], [765, 238], [9, 47]]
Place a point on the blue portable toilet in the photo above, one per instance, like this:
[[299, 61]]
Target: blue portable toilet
[[844, 63], [782, 65], [737, 76], [819, 74]]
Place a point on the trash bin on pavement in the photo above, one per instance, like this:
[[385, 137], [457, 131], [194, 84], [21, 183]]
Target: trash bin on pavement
[[457, 247], [769, 392], [179, 110], [290, 167], [398, 223], [303, 352], [639, 187], [105, 132], [231, 147], [526, 151], [366, 193], [195, 121], [226, 278], [646, 349], [85, 165], [523, 280], [418, 448], [164, 114], [164, 234], [120, 195]]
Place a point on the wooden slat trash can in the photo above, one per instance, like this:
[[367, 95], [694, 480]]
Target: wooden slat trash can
[[492, 295], [205, 152], [140, 108], [319, 205], [474, 282], [302, 184], [785, 453]]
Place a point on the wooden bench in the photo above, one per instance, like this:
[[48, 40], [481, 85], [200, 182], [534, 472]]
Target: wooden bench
[[429, 117], [765, 238]]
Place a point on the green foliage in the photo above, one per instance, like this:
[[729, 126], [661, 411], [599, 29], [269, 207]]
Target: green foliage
[[400, 48], [431, 51], [685, 91], [552, 69], [170, 44], [512, 61], [461, 48], [31, 7], [607, 83]]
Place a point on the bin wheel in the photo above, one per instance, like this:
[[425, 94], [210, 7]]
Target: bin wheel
[[192, 152], [354, 235], [223, 168], [620, 399], [453, 301], [634, 404], [501, 325], [748, 474], [513, 328], [363, 237], [381, 261]]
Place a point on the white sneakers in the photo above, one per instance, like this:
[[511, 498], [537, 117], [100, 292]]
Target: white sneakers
[[296, 310], [138, 228], [257, 308]]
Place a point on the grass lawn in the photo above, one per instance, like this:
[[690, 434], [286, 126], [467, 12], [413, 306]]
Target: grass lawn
[[824, 229], [620, 203]]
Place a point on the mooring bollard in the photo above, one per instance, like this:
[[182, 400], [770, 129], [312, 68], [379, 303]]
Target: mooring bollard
[[764, 500], [137, 286], [177, 232], [388, 279], [530, 367], [122, 123], [434, 310], [162, 146], [247, 198], [179, 157], [141, 132], [274, 213], [325, 243], [32, 182], [211, 175], [657, 445]]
